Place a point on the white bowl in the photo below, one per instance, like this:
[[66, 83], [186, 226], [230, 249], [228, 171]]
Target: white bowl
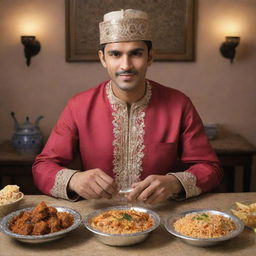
[[10, 207]]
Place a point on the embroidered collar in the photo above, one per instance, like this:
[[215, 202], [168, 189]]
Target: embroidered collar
[[143, 101]]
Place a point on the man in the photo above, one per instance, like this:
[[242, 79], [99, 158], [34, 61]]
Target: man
[[132, 133]]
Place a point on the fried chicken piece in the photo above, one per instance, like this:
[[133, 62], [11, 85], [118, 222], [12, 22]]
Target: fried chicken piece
[[21, 224], [54, 224], [39, 217], [14, 219], [52, 211], [66, 219], [25, 216], [23, 228], [40, 212], [41, 228], [41, 208]]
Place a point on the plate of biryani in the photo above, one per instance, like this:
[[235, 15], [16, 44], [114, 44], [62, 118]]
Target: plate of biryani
[[246, 212], [204, 227], [40, 224], [122, 225]]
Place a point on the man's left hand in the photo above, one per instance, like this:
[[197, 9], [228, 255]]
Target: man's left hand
[[155, 188]]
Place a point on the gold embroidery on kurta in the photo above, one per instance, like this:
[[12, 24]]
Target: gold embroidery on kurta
[[128, 129], [188, 181], [62, 178]]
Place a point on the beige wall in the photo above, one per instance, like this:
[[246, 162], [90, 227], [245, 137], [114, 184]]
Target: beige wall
[[222, 93]]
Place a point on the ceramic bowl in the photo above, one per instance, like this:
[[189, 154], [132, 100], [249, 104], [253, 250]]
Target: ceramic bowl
[[10, 207], [4, 227]]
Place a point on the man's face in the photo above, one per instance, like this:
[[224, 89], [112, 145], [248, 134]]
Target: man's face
[[126, 64]]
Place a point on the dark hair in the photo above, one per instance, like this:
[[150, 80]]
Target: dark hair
[[147, 42]]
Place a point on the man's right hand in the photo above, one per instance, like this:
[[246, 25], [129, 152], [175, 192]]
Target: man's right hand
[[92, 184]]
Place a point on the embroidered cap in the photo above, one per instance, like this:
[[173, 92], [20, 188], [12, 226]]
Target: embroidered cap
[[125, 25]]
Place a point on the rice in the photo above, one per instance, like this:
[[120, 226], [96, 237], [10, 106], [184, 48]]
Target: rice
[[122, 221], [204, 225], [9, 194]]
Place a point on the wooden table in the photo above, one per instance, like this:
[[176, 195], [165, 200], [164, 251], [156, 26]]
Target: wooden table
[[233, 150], [81, 242]]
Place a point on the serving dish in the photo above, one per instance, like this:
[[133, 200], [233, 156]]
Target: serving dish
[[169, 225], [121, 239], [11, 206], [4, 227]]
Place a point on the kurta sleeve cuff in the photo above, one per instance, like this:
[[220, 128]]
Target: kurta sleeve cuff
[[60, 187], [188, 181]]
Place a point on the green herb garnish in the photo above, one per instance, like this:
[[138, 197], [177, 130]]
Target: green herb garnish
[[201, 217], [126, 216]]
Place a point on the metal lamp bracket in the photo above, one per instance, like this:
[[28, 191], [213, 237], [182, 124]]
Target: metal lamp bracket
[[31, 47]]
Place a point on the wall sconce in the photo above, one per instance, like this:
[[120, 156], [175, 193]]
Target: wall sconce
[[228, 48], [31, 47]]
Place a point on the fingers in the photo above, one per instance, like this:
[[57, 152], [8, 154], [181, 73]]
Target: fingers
[[151, 195], [141, 190], [98, 191], [156, 197], [93, 184], [101, 184], [106, 183], [102, 188], [154, 189], [88, 193]]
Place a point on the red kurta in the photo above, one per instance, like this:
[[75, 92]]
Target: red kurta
[[171, 131]]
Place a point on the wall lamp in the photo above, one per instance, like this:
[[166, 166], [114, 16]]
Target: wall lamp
[[228, 48], [31, 47]]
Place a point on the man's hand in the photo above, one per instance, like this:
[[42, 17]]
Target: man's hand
[[92, 184], [155, 188]]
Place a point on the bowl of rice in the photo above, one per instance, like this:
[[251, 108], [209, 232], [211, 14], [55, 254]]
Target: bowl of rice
[[10, 198], [204, 227], [122, 225]]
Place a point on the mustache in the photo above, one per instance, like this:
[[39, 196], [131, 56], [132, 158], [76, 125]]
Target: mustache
[[126, 72]]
